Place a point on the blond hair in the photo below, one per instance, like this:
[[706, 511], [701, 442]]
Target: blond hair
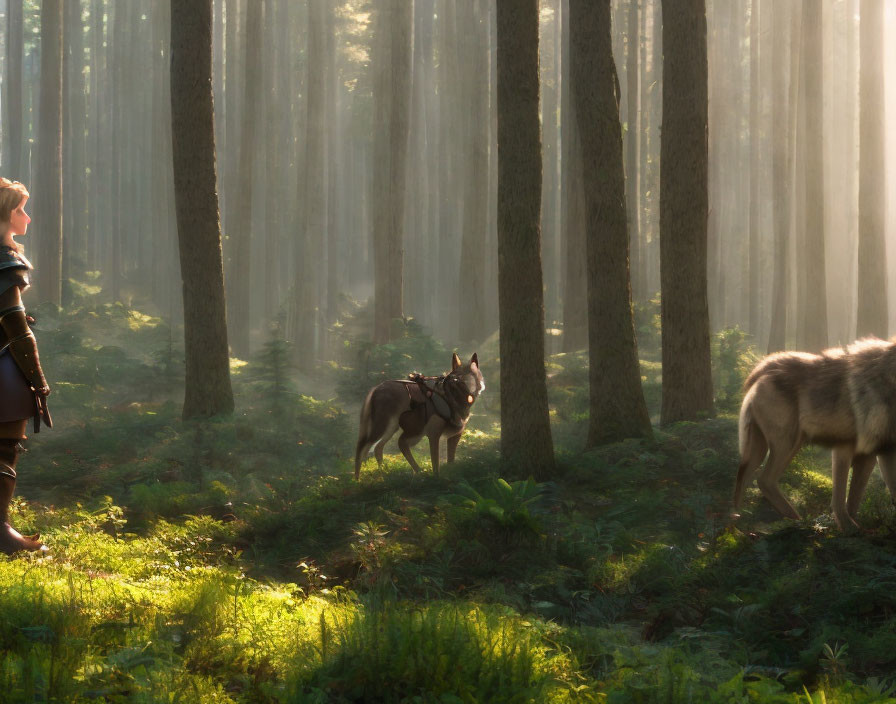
[[11, 194]]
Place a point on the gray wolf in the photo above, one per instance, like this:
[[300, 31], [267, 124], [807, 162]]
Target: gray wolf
[[843, 398], [436, 407]]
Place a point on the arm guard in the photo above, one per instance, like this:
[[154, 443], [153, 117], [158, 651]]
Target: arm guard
[[23, 346]]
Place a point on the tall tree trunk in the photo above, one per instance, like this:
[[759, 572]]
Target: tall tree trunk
[[782, 185], [207, 377], [235, 67], [632, 145], [75, 220], [392, 95], [161, 185], [755, 165], [814, 305], [449, 174], [336, 240], [99, 171], [575, 299], [48, 213], [872, 277], [617, 407], [472, 257], [525, 423], [13, 104], [239, 287], [120, 49], [315, 230], [684, 203]]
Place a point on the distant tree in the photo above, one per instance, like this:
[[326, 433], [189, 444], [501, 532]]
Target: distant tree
[[391, 96], [781, 182], [814, 306], [755, 142], [633, 143], [525, 423], [314, 232], [74, 141], [617, 407], [872, 276], [207, 377], [48, 193], [13, 99], [572, 215], [472, 256], [684, 206], [239, 290]]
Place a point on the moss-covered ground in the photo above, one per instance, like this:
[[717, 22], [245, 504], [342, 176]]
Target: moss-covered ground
[[236, 560]]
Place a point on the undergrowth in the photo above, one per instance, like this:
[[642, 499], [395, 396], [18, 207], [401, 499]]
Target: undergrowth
[[236, 560]]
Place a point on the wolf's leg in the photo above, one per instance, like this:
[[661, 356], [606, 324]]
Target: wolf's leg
[[404, 444], [887, 463], [755, 452], [779, 458], [434, 452], [381, 443], [452, 445], [862, 466], [361, 450], [841, 458]]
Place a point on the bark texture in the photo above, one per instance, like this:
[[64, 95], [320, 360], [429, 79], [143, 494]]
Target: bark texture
[[617, 407], [48, 200], [684, 205], [12, 94], [392, 98], [871, 316], [239, 271], [525, 424], [207, 378], [814, 308]]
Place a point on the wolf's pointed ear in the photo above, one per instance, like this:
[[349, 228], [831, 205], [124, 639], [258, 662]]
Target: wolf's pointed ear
[[474, 360], [455, 361]]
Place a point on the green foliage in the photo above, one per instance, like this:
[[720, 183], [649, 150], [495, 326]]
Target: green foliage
[[367, 364], [512, 507], [269, 374], [235, 560], [436, 652], [733, 357], [647, 316]]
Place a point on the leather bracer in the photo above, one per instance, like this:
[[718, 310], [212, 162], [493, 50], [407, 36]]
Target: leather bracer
[[23, 346]]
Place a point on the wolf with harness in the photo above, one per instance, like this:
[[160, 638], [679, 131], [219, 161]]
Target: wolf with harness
[[436, 407]]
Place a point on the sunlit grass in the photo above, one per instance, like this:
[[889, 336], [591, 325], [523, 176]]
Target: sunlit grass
[[237, 560]]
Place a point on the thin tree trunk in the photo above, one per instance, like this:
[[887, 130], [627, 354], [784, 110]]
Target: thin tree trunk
[[872, 316], [814, 308], [575, 299], [315, 230], [525, 424], [391, 117], [755, 165], [472, 260], [782, 191], [239, 287], [207, 375], [48, 213], [13, 105], [632, 146]]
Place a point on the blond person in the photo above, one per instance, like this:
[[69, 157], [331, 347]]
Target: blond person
[[22, 383]]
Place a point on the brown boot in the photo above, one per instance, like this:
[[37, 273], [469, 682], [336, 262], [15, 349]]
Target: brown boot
[[11, 541]]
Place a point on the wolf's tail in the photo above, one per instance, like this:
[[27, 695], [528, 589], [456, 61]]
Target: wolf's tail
[[365, 430], [753, 447]]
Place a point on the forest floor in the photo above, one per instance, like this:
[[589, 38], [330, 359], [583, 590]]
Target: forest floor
[[237, 560]]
